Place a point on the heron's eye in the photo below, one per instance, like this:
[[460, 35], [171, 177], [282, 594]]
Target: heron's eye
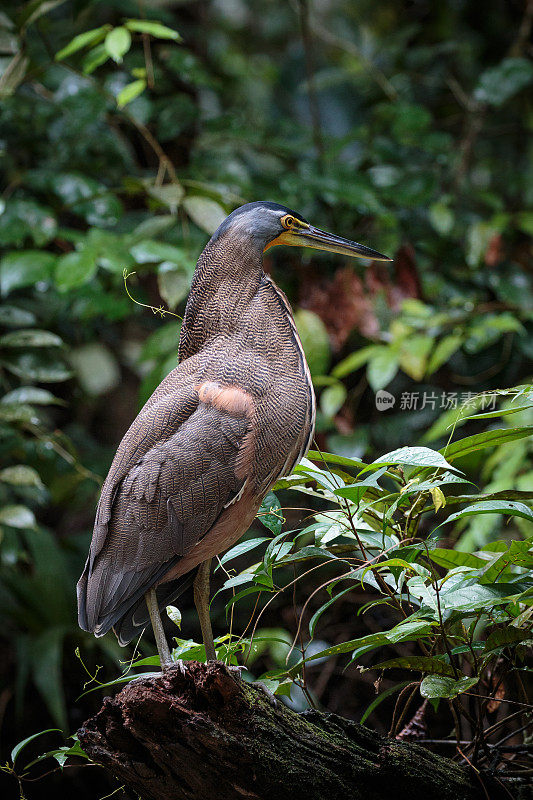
[[287, 221]]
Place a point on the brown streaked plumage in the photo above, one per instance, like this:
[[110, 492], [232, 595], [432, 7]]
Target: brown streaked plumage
[[235, 415]]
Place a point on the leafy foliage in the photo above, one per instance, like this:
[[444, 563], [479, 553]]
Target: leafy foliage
[[124, 142]]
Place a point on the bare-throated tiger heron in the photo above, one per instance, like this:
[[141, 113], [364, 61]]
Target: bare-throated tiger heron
[[235, 415]]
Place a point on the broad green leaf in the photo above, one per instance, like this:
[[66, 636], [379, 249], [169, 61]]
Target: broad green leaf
[[355, 492], [13, 317], [96, 368], [445, 348], [332, 458], [382, 367], [204, 212], [442, 218], [413, 357], [505, 637], [21, 745], [30, 338], [17, 517], [480, 441], [498, 84], [117, 43], [174, 614], [444, 686], [242, 548], [25, 268], [332, 399], [508, 507], [407, 631], [455, 558], [130, 92], [74, 269], [153, 28], [432, 665], [94, 59], [315, 340], [414, 457], [170, 194], [270, 514], [86, 39], [173, 283], [36, 367], [149, 251], [31, 394], [354, 361], [21, 475]]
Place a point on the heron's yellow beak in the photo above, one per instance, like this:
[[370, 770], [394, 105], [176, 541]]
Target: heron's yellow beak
[[322, 240]]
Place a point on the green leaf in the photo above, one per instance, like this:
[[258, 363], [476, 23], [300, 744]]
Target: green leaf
[[117, 43], [95, 58], [332, 399], [480, 441], [91, 37], [174, 614], [31, 394], [414, 457], [74, 269], [379, 699], [148, 251], [414, 352], [270, 514], [443, 686], [507, 507], [455, 558], [17, 517], [21, 745], [442, 218], [13, 317], [433, 665], [407, 631], [21, 475], [96, 368], [315, 340], [354, 361], [173, 284], [170, 194], [504, 637], [242, 548], [204, 212], [30, 338], [500, 83], [445, 348], [382, 367], [130, 92], [153, 28], [25, 268]]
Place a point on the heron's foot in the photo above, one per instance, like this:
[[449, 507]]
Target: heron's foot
[[234, 670], [268, 694], [166, 665]]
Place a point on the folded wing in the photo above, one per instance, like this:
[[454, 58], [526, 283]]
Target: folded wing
[[185, 458]]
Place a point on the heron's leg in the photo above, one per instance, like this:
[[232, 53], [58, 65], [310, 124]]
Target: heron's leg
[[159, 633], [201, 601]]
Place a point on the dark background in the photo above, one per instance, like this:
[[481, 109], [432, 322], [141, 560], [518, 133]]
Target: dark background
[[401, 125]]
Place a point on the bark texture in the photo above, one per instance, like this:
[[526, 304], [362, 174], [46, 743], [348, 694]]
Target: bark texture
[[204, 733]]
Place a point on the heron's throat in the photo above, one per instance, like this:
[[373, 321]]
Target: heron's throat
[[226, 280]]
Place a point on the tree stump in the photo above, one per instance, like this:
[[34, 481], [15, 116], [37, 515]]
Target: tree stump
[[205, 734]]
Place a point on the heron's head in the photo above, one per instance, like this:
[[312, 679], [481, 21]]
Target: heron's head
[[270, 224]]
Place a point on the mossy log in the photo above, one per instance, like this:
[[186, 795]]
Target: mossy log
[[204, 733]]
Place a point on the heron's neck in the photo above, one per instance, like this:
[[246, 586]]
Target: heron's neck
[[226, 279]]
